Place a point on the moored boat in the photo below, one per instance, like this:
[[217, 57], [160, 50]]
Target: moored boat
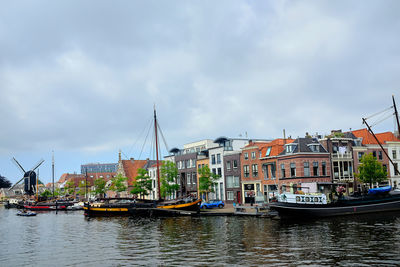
[[26, 213], [377, 200], [47, 206], [146, 208]]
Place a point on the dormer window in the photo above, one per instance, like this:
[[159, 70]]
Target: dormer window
[[268, 151], [314, 147], [290, 148]]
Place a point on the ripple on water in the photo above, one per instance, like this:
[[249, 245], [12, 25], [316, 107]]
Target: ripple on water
[[69, 239]]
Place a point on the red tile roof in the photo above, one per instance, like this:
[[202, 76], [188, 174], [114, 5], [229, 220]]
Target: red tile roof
[[276, 146], [368, 138], [131, 168]]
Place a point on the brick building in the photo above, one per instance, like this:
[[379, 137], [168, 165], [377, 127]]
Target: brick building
[[304, 160], [251, 170]]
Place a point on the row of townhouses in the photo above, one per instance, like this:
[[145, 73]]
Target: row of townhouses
[[252, 170], [259, 169]]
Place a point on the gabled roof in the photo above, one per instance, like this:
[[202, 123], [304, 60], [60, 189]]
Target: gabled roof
[[302, 145], [131, 167], [368, 138], [276, 147]]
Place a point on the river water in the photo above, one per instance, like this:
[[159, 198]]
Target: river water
[[69, 239]]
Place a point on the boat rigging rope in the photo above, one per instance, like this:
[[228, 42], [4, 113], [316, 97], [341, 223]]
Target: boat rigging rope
[[150, 120], [373, 115], [147, 135], [162, 135]]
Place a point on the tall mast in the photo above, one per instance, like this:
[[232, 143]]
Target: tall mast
[[52, 170], [158, 168], [396, 115]]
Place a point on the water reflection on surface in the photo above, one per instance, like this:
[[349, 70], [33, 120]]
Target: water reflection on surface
[[69, 239]]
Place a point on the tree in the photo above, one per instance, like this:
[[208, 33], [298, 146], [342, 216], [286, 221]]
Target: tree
[[4, 182], [46, 193], [168, 179], [70, 187], [118, 184], [371, 170], [207, 180], [142, 184], [100, 186]]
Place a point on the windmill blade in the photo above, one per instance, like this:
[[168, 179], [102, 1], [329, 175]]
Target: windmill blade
[[37, 165], [18, 165], [16, 183]]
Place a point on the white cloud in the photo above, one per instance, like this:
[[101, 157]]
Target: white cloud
[[84, 76]]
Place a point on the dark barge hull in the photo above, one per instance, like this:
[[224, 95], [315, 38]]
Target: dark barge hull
[[141, 209], [306, 211]]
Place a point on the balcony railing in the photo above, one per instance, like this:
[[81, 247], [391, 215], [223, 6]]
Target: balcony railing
[[345, 155]]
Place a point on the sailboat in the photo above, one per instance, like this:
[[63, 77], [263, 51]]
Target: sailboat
[[139, 207]]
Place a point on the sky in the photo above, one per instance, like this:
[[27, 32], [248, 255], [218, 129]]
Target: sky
[[79, 79]]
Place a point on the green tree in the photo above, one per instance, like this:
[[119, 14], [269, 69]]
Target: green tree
[[168, 179], [142, 183], [371, 170], [100, 186], [118, 184], [46, 193], [70, 187], [207, 180]]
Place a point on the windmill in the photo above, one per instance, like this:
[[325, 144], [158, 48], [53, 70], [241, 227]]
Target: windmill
[[29, 177]]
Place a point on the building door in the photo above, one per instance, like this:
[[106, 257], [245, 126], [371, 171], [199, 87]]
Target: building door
[[239, 197]]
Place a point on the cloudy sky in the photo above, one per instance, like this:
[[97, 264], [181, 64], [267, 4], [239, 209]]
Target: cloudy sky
[[80, 78]]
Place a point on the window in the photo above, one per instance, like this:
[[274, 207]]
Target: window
[[396, 169], [374, 154], [228, 165], [315, 168], [293, 169], [324, 168], [253, 155], [290, 148], [214, 170], [219, 172], [384, 168], [380, 155], [315, 148], [246, 170], [218, 158], [283, 170], [268, 151], [187, 164], [212, 159], [246, 156], [194, 180], [273, 171], [360, 154], [232, 181], [235, 164], [266, 173], [236, 182], [188, 178], [394, 154], [199, 166], [306, 169], [229, 181], [255, 170], [229, 195]]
